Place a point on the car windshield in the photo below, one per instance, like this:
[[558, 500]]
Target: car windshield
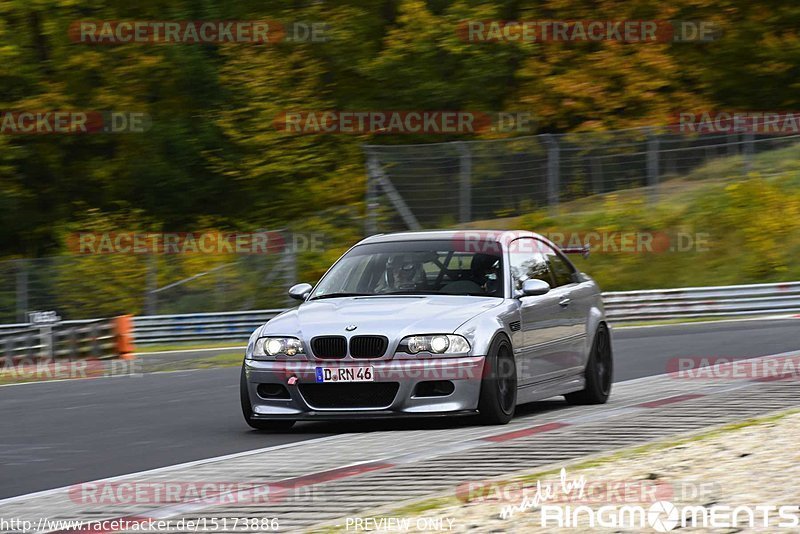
[[414, 267]]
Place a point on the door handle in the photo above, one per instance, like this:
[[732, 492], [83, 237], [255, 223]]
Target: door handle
[[564, 302]]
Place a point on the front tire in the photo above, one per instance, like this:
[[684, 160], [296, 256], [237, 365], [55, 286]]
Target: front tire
[[498, 399], [599, 371], [274, 425]]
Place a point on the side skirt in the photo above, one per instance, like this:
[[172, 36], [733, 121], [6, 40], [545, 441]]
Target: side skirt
[[551, 388]]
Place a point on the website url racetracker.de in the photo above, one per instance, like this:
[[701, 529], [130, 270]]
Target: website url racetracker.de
[[142, 524]]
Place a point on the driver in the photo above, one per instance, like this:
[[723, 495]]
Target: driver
[[401, 271], [485, 269]]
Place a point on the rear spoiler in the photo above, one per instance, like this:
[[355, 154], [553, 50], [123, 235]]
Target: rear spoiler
[[582, 250]]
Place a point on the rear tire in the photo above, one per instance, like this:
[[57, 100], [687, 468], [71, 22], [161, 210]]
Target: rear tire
[[275, 425], [498, 399], [599, 371]]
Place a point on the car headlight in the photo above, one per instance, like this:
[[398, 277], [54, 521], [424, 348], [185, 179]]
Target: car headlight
[[435, 344], [277, 346]]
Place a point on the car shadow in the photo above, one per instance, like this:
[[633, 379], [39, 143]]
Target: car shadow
[[422, 423]]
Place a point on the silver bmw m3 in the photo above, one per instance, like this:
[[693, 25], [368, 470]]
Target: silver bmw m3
[[437, 323]]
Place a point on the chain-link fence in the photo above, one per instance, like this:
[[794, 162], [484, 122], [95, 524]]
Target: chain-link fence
[[442, 184], [82, 287], [408, 187], [103, 280]]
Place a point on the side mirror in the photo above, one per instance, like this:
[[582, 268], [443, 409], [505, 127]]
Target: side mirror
[[300, 291], [534, 287]]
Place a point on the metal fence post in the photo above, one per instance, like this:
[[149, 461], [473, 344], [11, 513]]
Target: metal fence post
[[73, 343], [553, 159], [46, 341], [9, 351], [748, 151], [371, 200], [22, 291], [31, 344], [94, 347], [596, 171], [733, 143], [291, 270], [382, 181], [151, 301], [220, 288], [652, 165], [465, 183]]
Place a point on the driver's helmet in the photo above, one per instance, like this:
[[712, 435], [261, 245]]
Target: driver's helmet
[[401, 271], [484, 268], [485, 272]]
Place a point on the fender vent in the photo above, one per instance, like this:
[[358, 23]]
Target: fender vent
[[515, 326]]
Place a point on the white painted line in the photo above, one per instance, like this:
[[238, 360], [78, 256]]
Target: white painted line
[[62, 380], [45, 493], [779, 355], [720, 321], [210, 349], [137, 375]]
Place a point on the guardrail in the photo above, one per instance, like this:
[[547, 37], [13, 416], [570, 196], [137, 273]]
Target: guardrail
[[699, 302], [66, 340], [223, 326], [621, 306]]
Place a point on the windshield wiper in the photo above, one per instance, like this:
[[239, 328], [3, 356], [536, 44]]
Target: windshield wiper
[[335, 295]]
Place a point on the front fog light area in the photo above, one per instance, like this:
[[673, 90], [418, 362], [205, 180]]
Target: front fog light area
[[435, 344]]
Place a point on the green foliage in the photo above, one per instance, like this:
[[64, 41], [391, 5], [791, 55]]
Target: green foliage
[[744, 232], [214, 159]]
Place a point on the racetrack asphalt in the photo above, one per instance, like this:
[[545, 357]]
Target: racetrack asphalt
[[61, 433]]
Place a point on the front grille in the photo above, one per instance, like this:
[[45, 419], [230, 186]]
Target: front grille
[[329, 347], [352, 395], [368, 346]]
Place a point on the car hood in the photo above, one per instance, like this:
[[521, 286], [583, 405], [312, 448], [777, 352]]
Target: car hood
[[392, 316]]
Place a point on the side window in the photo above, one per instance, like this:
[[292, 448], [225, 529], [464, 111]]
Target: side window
[[527, 262], [563, 272]]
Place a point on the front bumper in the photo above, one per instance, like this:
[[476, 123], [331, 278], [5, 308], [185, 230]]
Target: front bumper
[[406, 375]]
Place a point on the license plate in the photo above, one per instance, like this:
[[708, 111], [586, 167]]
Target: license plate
[[345, 374]]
